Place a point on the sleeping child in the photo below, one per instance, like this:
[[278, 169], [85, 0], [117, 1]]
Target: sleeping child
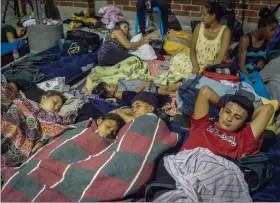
[[107, 126], [52, 100], [127, 90], [26, 126]]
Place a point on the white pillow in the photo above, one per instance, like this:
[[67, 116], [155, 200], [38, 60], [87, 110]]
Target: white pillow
[[137, 38], [145, 52], [53, 84]]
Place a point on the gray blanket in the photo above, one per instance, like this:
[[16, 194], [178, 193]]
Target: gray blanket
[[271, 77]]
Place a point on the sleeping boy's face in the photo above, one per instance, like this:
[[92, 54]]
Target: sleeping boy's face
[[107, 128], [112, 88]]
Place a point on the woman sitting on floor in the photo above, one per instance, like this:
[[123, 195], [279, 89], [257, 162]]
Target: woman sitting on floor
[[211, 39], [252, 51], [114, 49], [11, 34], [210, 44]]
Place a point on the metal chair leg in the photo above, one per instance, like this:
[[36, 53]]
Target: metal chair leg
[[5, 11]]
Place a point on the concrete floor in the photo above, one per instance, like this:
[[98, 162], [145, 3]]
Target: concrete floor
[[10, 16], [66, 12]]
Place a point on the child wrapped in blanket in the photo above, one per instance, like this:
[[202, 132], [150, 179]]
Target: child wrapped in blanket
[[125, 91], [26, 126], [107, 126]]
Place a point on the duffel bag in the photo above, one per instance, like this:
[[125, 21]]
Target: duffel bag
[[83, 37]]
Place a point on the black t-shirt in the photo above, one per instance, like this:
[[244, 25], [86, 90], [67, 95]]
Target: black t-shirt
[[30, 90], [88, 111], [127, 97], [5, 30]]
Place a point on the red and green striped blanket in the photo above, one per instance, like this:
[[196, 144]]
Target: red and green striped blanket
[[81, 166]]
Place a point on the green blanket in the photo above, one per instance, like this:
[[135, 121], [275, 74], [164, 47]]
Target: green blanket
[[129, 69]]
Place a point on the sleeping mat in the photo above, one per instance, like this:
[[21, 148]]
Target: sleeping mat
[[66, 66], [51, 64]]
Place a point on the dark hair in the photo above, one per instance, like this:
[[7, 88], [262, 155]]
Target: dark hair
[[266, 18], [214, 7], [101, 90], [20, 24], [118, 24], [51, 93], [114, 117], [148, 98], [245, 103], [162, 115]]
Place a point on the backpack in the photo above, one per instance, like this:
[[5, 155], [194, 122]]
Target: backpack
[[257, 170], [177, 42], [226, 68]]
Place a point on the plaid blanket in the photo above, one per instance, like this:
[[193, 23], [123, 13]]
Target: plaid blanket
[[81, 166], [26, 127]]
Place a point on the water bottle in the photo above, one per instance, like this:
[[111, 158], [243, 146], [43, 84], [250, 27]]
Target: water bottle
[[15, 54]]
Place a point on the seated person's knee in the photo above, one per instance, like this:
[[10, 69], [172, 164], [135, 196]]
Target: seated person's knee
[[141, 4], [205, 90]]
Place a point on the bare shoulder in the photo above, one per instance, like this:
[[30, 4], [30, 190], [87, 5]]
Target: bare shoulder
[[197, 28], [118, 33], [226, 31]]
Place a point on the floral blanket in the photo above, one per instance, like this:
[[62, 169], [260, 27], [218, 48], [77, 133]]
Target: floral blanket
[[26, 127]]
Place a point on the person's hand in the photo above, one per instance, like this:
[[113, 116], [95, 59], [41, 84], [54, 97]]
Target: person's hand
[[251, 79], [24, 37], [195, 69], [145, 41], [260, 65], [113, 111], [147, 84], [148, 4], [88, 123]]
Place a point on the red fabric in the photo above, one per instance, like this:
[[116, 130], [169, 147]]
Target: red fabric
[[206, 134], [218, 76]]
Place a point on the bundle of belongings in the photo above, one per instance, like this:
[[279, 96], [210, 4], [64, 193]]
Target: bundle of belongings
[[83, 19], [79, 42], [174, 43], [110, 16]]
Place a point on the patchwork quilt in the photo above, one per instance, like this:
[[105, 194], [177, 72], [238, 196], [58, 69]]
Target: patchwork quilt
[[26, 127], [81, 166]]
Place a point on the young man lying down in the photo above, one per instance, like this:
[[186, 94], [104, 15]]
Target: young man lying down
[[238, 130]]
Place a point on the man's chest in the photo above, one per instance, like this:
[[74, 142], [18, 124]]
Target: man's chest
[[220, 137]]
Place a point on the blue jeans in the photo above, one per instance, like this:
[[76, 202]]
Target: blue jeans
[[258, 85]]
